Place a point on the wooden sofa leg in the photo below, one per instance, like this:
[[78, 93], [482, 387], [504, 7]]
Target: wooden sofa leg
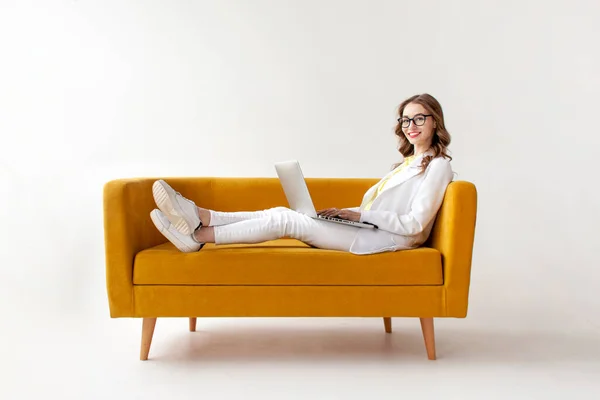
[[192, 324], [147, 331], [429, 336], [387, 322]]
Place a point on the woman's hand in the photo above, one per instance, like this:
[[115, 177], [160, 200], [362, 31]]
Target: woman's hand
[[344, 214]]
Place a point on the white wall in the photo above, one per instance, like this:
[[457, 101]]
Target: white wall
[[97, 90]]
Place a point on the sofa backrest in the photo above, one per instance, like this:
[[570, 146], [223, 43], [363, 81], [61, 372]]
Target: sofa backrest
[[250, 194]]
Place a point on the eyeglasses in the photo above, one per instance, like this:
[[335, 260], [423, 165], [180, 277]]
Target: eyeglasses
[[418, 120]]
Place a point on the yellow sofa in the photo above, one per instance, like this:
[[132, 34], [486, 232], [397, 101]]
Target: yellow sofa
[[147, 277]]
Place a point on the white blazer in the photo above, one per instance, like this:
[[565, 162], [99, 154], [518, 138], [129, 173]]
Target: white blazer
[[406, 209]]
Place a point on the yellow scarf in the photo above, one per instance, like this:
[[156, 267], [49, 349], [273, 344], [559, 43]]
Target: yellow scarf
[[382, 183]]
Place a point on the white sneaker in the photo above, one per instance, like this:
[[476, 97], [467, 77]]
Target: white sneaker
[[183, 242], [182, 212]]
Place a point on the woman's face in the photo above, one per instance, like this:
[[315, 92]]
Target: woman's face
[[418, 135]]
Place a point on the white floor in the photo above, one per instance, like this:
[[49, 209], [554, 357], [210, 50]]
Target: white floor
[[495, 353]]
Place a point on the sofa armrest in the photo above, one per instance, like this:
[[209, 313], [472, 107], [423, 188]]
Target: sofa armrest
[[453, 235], [128, 229]]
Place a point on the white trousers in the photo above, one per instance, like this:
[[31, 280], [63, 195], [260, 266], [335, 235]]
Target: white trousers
[[278, 222]]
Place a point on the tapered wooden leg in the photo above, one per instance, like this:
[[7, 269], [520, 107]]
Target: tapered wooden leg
[[387, 322], [192, 324], [147, 332], [429, 336]]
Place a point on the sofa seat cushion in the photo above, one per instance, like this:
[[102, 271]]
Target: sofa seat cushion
[[284, 262]]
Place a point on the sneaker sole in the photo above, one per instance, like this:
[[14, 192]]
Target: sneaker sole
[[165, 200], [172, 238]]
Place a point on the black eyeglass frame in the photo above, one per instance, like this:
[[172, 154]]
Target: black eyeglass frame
[[413, 120]]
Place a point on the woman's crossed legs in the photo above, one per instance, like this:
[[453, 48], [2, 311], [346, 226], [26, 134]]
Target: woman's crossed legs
[[178, 216]]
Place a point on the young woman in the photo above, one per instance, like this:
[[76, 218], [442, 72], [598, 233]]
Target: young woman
[[403, 204]]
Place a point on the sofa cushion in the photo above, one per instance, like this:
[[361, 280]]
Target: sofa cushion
[[284, 262]]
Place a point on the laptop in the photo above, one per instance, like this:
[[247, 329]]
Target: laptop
[[296, 192]]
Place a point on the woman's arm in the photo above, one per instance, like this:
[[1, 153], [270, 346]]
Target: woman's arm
[[424, 207]]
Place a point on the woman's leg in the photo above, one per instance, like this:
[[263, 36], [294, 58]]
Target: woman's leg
[[186, 217], [275, 225], [218, 218]]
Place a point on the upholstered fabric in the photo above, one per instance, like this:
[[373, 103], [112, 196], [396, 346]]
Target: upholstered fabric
[[288, 301], [283, 262], [453, 235], [403, 283]]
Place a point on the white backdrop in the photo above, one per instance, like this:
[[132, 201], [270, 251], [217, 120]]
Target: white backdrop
[[96, 90]]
